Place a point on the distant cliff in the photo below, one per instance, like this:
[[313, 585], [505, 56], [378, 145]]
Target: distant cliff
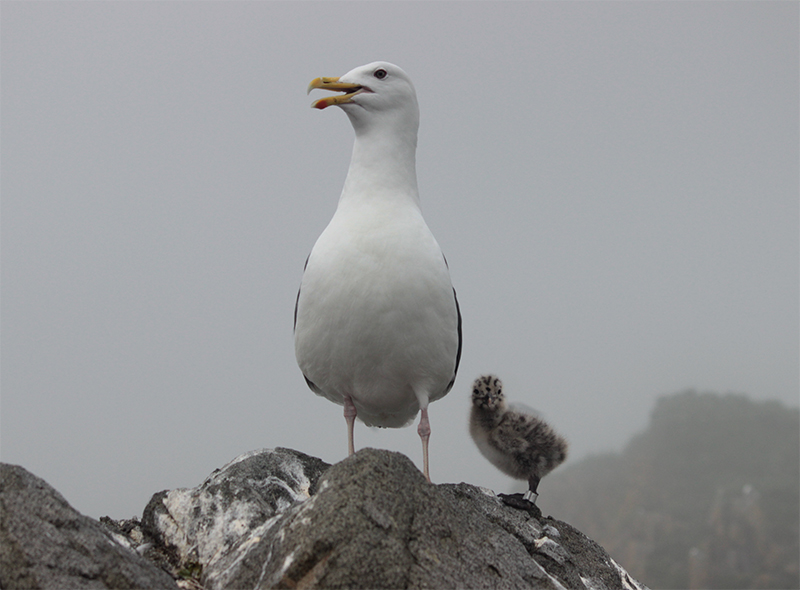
[[707, 497], [281, 519]]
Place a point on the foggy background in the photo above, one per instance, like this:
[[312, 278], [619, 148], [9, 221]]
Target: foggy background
[[615, 187]]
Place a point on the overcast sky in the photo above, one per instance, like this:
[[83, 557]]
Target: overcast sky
[[614, 184]]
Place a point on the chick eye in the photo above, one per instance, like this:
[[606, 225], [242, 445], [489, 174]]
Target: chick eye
[[380, 74]]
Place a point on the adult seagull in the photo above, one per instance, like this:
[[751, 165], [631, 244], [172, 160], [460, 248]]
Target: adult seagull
[[377, 323]]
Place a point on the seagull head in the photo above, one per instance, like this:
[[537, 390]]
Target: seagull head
[[487, 393], [377, 94]]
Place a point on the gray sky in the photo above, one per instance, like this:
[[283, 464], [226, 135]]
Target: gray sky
[[615, 186]]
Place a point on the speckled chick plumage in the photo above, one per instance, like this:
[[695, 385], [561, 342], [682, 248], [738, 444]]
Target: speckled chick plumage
[[519, 444]]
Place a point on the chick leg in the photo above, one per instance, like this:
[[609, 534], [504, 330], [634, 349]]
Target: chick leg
[[533, 484]]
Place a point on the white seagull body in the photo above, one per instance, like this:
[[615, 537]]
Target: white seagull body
[[377, 325]]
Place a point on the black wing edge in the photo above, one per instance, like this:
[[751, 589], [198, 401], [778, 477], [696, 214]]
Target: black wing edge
[[297, 300], [460, 341], [311, 385]]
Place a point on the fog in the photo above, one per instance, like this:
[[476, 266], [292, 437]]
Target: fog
[[614, 184]]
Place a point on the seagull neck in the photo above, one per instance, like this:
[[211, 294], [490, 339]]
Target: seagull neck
[[383, 165]]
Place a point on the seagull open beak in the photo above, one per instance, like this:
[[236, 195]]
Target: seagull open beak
[[350, 91]]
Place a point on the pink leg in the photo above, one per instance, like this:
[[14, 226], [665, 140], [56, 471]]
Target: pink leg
[[350, 417], [424, 431]]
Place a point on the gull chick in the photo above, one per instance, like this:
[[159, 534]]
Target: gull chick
[[519, 444]]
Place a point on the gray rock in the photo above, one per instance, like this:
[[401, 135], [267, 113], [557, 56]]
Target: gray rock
[[268, 520], [45, 543], [281, 519], [209, 528]]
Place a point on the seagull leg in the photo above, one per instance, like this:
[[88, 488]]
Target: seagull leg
[[350, 418], [533, 484], [424, 431]]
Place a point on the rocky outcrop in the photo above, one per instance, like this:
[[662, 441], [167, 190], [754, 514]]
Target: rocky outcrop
[[281, 519], [45, 543], [707, 496], [213, 529]]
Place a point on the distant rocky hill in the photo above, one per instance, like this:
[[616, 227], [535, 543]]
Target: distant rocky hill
[[281, 519], [707, 497]]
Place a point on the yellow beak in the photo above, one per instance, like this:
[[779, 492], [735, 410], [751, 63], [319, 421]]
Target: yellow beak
[[350, 91]]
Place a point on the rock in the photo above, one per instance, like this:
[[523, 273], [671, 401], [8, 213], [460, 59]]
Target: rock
[[45, 543], [281, 519], [208, 528]]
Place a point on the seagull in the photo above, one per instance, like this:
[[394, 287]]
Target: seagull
[[518, 443], [377, 327]]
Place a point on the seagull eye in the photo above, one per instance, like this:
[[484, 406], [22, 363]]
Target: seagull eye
[[380, 74]]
